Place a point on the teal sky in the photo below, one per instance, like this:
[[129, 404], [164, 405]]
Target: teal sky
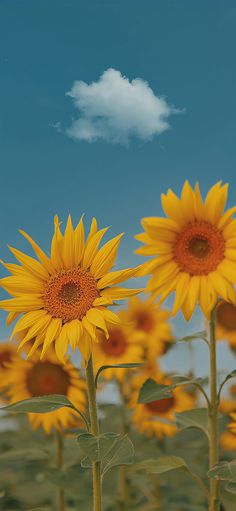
[[184, 49]]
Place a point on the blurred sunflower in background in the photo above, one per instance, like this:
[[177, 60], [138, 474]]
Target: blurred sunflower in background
[[63, 298], [151, 325], [120, 347], [194, 250], [158, 417], [24, 379], [228, 403], [226, 323], [7, 353], [228, 438]]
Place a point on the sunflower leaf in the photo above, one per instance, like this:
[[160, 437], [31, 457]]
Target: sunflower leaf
[[152, 391], [110, 449], [115, 366], [24, 454], [225, 471], [231, 487], [196, 418], [160, 465], [43, 404], [193, 337]]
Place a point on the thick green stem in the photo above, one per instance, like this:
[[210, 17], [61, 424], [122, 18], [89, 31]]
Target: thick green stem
[[94, 429], [123, 481], [59, 463], [213, 418]]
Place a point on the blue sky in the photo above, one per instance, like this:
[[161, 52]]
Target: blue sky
[[185, 50]]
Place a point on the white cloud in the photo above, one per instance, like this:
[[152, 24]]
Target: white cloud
[[115, 109]]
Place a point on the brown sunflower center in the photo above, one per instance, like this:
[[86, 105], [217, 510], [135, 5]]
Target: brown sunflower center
[[70, 294], [46, 378], [5, 356], [226, 315], [144, 321], [161, 406], [199, 248], [116, 344]]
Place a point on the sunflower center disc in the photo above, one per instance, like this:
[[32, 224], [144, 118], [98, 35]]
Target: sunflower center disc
[[199, 248], [226, 315], [116, 344], [161, 406], [5, 357], [144, 321], [45, 378], [70, 294]]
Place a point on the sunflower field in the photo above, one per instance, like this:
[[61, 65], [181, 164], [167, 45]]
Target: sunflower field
[[91, 418]]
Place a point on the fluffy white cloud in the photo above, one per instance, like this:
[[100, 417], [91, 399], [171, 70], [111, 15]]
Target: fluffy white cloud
[[116, 109]]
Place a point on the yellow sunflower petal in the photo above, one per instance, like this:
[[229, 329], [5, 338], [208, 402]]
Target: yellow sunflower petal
[[115, 277], [43, 258], [181, 291], [215, 202], [74, 331], [68, 245], [19, 284], [30, 264], [105, 257], [11, 317], [52, 332], [57, 245], [119, 293], [92, 247], [79, 241], [27, 321], [96, 317], [22, 303], [61, 343]]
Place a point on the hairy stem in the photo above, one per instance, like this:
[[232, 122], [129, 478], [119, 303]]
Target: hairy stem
[[59, 463], [94, 429], [213, 418]]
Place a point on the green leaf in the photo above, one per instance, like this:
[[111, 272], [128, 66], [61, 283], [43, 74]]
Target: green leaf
[[197, 335], [231, 487], [225, 471], [110, 449], [196, 418], [23, 455], [37, 509], [152, 391], [160, 465], [115, 366], [43, 404]]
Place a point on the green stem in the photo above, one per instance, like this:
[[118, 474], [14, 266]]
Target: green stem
[[59, 463], [123, 481], [213, 418], [94, 429]]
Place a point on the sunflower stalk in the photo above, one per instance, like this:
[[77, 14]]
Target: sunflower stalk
[[59, 464], [123, 480], [94, 429], [213, 418]]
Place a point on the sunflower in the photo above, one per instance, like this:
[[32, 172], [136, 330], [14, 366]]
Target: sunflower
[[121, 347], [228, 404], [228, 438], [7, 352], [24, 379], [150, 324], [158, 417], [194, 250], [226, 323], [64, 297]]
